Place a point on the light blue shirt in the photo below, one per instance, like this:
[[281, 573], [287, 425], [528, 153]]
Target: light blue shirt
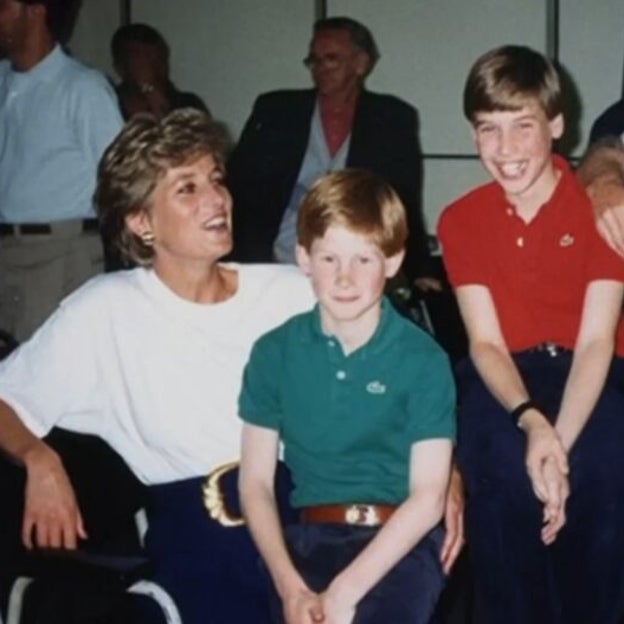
[[316, 162], [56, 120]]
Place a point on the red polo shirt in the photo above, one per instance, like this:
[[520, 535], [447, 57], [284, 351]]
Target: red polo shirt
[[536, 272]]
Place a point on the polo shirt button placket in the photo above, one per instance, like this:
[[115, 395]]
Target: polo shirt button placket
[[341, 375]]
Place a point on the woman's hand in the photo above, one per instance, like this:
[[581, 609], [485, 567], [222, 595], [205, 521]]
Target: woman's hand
[[51, 511]]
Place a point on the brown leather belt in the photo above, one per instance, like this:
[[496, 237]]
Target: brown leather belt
[[29, 229], [355, 514]]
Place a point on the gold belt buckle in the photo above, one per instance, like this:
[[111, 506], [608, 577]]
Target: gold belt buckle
[[362, 515], [214, 501]]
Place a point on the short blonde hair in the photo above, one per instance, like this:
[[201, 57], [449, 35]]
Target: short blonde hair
[[359, 201], [510, 77], [134, 162]]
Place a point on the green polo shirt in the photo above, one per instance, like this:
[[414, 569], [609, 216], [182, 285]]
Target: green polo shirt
[[348, 422]]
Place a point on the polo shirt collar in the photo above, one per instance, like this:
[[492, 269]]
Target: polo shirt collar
[[386, 332], [46, 69]]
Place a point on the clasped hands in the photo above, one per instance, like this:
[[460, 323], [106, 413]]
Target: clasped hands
[[328, 607], [547, 466]]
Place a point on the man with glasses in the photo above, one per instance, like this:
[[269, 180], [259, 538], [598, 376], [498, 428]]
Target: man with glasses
[[293, 137]]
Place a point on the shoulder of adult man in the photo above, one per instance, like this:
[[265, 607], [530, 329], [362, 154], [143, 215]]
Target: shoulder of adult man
[[274, 104], [292, 97], [388, 105], [284, 99], [79, 73], [280, 112]]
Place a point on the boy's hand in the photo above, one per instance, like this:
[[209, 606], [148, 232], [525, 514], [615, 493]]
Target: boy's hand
[[547, 465], [453, 521], [543, 443], [337, 610], [303, 607], [554, 506]]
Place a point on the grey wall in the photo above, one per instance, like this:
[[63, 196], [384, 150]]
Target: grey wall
[[97, 21], [229, 51]]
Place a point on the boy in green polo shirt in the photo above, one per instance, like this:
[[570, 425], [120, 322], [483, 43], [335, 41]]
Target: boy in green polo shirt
[[363, 401]]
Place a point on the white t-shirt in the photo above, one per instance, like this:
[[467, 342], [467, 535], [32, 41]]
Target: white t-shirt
[[155, 375]]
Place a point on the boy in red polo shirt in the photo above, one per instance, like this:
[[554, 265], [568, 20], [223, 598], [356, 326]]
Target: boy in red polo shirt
[[541, 423]]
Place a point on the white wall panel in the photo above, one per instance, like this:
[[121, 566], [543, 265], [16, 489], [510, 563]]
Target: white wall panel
[[591, 49], [428, 46], [445, 180], [96, 23], [230, 51]]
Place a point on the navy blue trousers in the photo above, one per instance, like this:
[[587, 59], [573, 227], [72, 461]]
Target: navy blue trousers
[[408, 594], [212, 572], [580, 578]]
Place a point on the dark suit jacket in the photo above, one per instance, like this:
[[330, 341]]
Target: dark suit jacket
[[263, 167]]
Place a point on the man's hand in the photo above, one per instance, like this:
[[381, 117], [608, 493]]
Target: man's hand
[[607, 197], [601, 172], [610, 220], [51, 512], [428, 284], [149, 99], [453, 521], [147, 72]]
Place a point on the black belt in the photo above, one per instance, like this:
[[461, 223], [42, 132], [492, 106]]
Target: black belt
[[552, 349], [33, 229]]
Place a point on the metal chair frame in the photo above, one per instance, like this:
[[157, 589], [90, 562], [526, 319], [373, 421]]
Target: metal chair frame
[[143, 587]]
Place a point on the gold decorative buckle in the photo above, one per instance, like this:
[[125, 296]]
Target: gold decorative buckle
[[362, 515], [214, 501]]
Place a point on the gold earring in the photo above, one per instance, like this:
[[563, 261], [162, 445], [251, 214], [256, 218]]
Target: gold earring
[[147, 238]]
